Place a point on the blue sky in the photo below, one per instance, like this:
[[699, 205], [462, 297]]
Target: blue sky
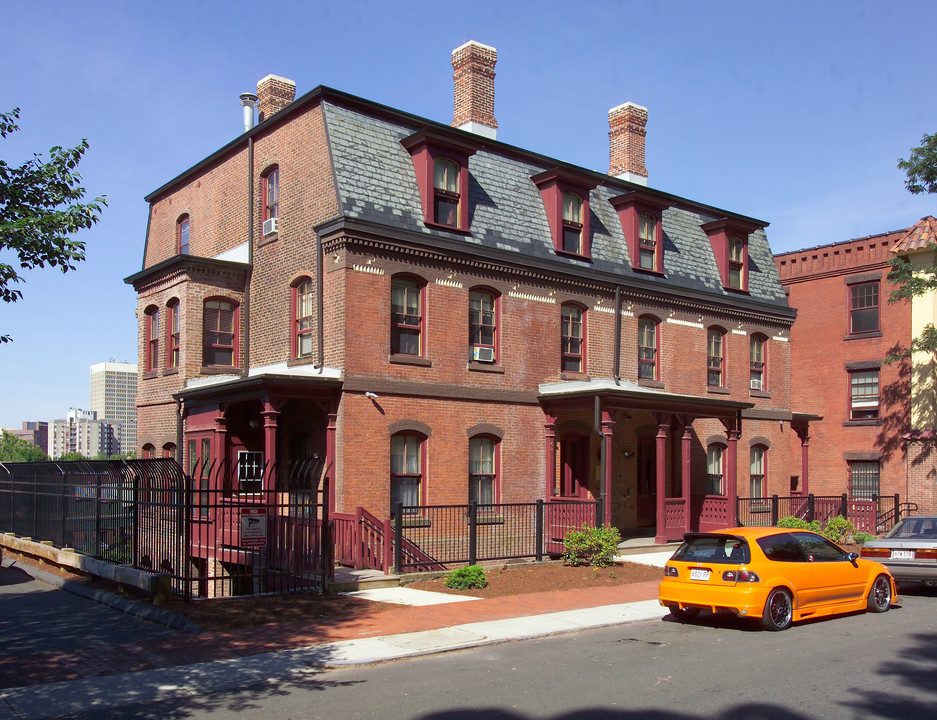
[[794, 113]]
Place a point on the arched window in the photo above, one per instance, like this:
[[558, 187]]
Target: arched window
[[446, 192], [648, 360], [271, 193], [483, 325], [573, 338], [172, 334], [715, 352], [572, 223], [169, 450], [759, 366], [151, 341], [715, 478], [483, 470], [303, 317], [406, 472], [406, 331], [148, 450], [219, 336], [759, 464], [182, 235]]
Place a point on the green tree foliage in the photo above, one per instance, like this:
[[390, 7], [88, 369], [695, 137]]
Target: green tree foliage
[[72, 457], [40, 209], [15, 449], [915, 281]]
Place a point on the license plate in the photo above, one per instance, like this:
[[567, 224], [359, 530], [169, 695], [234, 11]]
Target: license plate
[[902, 554], [699, 574]]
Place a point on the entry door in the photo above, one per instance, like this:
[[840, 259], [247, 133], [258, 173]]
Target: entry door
[[647, 482], [573, 466]]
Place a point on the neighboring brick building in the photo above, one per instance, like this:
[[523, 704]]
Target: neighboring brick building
[[845, 329], [447, 317]]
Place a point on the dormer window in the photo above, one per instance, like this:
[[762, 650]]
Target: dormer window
[[729, 241], [446, 192], [641, 217], [442, 175], [566, 201]]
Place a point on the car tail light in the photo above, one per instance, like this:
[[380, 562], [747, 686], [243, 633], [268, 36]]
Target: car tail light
[[875, 552], [928, 554], [745, 576], [670, 571]]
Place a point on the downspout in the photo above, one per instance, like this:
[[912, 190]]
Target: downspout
[[250, 256], [179, 437], [320, 302], [616, 370]]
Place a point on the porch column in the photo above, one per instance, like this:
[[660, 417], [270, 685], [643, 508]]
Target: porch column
[[219, 454], [663, 431], [608, 428], [549, 455], [804, 445], [687, 476], [732, 493], [270, 445], [330, 458]]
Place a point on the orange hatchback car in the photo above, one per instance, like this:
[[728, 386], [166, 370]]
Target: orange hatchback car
[[773, 574]]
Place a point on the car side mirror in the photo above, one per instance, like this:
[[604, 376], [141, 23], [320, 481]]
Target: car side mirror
[[852, 557]]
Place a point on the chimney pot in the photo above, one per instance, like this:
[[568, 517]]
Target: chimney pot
[[473, 66], [627, 129], [273, 94]]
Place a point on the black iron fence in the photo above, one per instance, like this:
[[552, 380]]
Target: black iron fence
[[434, 537], [215, 533], [873, 516]]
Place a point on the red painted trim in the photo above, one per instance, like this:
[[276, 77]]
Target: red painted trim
[[273, 171], [496, 333], [424, 147], [235, 324], [151, 339], [583, 346], [183, 220], [552, 185], [173, 334], [719, 233], [630, 207]]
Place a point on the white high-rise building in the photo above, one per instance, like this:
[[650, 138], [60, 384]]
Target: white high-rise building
[[114, 400]]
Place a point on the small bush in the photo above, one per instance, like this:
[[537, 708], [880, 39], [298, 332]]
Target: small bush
[[591, 546], [471, 577], [797, 523], [838, 529], [859, 538]]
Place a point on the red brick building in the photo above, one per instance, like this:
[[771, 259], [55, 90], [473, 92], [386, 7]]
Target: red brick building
[[869, 440], [450, 318]]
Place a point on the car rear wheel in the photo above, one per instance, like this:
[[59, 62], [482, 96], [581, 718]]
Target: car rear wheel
[[779, 610], [879, 595], [683, 614]]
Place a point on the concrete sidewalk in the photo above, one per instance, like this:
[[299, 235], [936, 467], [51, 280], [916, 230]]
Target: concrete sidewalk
[[429, 625]]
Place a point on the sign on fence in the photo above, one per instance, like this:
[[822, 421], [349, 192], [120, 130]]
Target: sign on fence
[[254, 527]]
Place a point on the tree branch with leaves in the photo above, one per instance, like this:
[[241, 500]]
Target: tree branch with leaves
[[41, 209]]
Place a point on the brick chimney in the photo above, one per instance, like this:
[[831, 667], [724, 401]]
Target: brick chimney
[[273, 94], [473, 66], [627, 128]]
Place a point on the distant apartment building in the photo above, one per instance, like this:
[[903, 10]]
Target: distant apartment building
[[81, 431], [36, 432], [114, 399]]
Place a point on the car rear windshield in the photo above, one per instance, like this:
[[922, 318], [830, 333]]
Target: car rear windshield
[[714, 549], [914, 527]]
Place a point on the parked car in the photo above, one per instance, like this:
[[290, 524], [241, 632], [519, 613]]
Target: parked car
[[773, 574], [908, 550]]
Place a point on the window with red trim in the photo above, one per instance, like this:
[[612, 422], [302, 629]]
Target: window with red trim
[[483, 470], [864, 478], [641, 217], [446, 192], [863, 395], [737, 255], [759, 365], [483, 321], [271, 193], [648, 367], [406, 332], [303, 317], [442, 175], [219, 336], [573, 338], [758, 475], [729, 241], [172, 334], [715, 351], [863, 308], [182, 235], [148, 451], [151, 342], [566, 202], [406, 472], [714, 470]]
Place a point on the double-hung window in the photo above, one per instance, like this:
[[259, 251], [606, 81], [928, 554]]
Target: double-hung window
[[757, 372], [271, 190], [737, 264], [483, 324], [406, 472], [647, 349], [406, 317], [863, 308], [715, 351], [572, 223], [714, 474], [303, 315], [172, 335], [647, 242], [863, 395], [482, 470], [446, 192], [152, 339], [757, 476], [218, 346], [573, 336], [182, 235]]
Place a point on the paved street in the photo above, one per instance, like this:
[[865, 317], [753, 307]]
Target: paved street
[[859, 666]]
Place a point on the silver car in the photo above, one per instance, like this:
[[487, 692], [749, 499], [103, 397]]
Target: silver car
[[909, 550]]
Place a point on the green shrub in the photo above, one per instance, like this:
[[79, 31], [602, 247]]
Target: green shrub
[[591, 546], [797, 523], [471, 577], [838, 529], [860, 538]]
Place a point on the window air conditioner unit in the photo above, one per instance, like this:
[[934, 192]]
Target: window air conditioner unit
[[270, 226], [483, 354], [756, 384]]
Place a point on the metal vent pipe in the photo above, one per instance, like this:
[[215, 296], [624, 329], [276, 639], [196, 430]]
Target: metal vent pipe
[[249, 102]]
